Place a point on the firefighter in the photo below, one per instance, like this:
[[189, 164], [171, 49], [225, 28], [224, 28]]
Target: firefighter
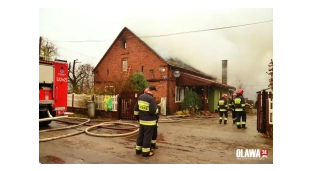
[[155, 133], [240, 109], [145, 111], [233, 108], [222, 108]]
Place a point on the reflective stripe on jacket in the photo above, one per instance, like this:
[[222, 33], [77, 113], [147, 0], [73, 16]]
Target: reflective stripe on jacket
[[239, 103], [222, 104], [146, 109]]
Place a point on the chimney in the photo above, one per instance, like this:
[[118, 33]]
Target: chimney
[[224, 72]]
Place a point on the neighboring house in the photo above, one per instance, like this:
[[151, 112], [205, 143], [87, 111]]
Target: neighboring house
[[128, 54]]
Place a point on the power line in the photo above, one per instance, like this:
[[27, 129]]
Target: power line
[[78, 53], [205, 30], [171, 34]]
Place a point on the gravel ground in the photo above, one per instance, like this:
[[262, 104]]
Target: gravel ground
[[194, 141]]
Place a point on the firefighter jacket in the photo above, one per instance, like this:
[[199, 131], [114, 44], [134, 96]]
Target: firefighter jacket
[[232, 105], [239, 103], [222, 105], [145, 110]]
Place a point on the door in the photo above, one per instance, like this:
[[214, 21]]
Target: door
[[60, 86], [126, 104]]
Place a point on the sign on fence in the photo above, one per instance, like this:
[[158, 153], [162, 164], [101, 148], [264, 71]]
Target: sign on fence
[[102, 102]]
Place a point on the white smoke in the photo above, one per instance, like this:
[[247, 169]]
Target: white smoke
[[248, 49]]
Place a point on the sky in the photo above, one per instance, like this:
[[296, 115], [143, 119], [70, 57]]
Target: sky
[[86, 34]]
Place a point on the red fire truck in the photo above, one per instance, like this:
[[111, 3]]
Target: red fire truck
[[53, 86]]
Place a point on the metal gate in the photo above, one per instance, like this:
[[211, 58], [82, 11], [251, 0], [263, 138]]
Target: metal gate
[[265, 111], [126, 103]]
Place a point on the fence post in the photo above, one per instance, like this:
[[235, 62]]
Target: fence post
[[73, 102], [119, 106]]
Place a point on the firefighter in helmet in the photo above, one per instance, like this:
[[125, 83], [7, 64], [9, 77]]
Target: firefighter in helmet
[[240, 110], [222, 108], [232, 105], [145, 111], [155, 132]]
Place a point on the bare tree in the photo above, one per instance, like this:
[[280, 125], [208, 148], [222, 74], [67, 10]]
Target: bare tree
[[86, 83], [80, 77], [47, 49], [270, 72]]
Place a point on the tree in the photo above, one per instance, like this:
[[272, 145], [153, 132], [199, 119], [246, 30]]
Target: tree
[[138, 81], [47, 49], [270, 72], [80, 77], [135, 82]]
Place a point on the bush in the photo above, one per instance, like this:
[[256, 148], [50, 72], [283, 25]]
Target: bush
[[83, 102], [191, 101]]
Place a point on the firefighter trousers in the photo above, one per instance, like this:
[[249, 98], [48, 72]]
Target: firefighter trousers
[[154, 137], [225, 113], [234, 115], [143, 143], [241, 115]]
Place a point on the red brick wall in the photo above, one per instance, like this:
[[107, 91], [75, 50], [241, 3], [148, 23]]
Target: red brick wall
[[138, 55]]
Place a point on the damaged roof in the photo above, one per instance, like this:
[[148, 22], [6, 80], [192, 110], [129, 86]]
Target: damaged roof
[[178, 63]]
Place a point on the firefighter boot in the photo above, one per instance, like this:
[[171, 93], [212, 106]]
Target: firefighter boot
[[225, 121], [244, 126], [234, 121], [153, 146], [220, 120], [147, 154], [238, 125], [138, 149]]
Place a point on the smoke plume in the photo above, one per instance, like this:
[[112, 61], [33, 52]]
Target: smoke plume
[[248, 49]]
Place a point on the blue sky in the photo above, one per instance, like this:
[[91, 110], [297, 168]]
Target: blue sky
[[248, 49]]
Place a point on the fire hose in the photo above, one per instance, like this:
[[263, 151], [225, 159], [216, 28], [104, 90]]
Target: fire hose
[[170, 119]]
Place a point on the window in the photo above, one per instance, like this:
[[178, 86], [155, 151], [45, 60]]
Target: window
[[125, 45], [110, 90], [124, 65], [179, 94], [142, 68], [107, 71]]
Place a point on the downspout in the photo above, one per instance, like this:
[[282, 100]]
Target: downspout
[[208, 96], [168, 85]]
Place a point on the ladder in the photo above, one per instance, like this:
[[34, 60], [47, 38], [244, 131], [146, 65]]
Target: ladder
[[126, 75]]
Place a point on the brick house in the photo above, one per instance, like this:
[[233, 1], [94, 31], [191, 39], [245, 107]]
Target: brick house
[[128, 54]]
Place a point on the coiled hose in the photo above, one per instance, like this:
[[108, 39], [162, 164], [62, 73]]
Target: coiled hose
[[67, 127], [169, 119]]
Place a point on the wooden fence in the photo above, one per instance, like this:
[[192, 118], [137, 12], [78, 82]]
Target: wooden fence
[[265, 111]]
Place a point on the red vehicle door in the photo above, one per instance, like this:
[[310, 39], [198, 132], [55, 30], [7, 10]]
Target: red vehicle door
[[60, 86]]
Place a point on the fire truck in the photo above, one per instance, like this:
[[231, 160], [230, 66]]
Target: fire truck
[[53, 87]]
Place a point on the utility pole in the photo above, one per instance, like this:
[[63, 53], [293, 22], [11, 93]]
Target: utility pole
[[40, 41]]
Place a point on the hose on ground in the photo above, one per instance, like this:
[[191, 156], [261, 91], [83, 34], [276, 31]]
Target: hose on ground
[[110, 135], [67, 127], [170, 119], [89, 124], [62, 136]]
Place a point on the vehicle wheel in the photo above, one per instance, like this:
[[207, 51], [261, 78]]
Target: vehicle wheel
[[44, 114]]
